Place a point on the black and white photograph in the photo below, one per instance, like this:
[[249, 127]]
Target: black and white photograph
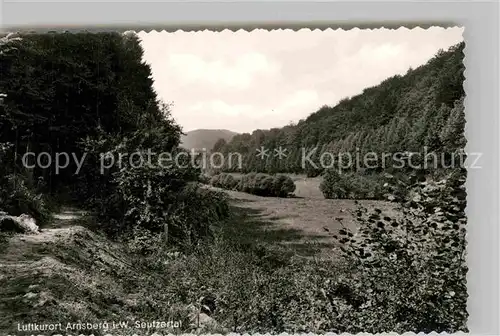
[[216, 182]]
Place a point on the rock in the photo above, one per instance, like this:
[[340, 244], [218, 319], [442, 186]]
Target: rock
[[205, 319], [28, 223], [29, 295], [20, 224]]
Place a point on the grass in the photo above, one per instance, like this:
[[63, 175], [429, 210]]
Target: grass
[[70, 274], [254, 272], [314, 220], [269, 268], [3, 241]]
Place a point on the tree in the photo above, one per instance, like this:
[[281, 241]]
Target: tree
[[219, 145], [453, 133], [403, 113]]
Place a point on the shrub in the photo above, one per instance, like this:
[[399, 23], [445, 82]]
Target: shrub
[[256, 183], [408, 273], [283, 185], [215, 180], [204, 178], [17, 197], [351, 185], [164, 201], [229, 181], [18, 193]]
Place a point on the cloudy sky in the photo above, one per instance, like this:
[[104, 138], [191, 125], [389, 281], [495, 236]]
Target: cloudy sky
[[242, 80]]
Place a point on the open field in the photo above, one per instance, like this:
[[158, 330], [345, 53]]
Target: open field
[[307, 187], [308, 217]]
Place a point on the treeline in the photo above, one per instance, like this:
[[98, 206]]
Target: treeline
[[423, 108], [87, 94], [254, 183]]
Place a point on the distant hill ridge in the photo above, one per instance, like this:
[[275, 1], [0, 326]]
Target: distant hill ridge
[[205, 138]]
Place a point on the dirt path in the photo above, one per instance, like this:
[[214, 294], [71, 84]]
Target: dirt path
[[20, 245], [67, 216], [16, 247], [65, 272]]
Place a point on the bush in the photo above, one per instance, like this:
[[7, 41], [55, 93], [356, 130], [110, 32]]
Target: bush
[[205, 179], [254, 286], [283, 185], [255, 183], [17, 197], [229, 182], [409, 273], [214, 180], [351, 186], [261, 185], [150, 200], [18, 193]]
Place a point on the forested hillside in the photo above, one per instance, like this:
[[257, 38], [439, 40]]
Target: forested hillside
[[403, 113]]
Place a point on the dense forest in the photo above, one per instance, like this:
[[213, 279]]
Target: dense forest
[[402, 114], [83, 95]]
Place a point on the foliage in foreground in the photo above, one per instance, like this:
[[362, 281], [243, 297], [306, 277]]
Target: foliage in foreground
[[151, 203], [19, 194], [409, 277], [409, 273], [257, 184], [397, 274]]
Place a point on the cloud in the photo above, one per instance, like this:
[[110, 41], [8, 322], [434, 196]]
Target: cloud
[[301, 98], [221, 108], [262, 79], [239, 74]]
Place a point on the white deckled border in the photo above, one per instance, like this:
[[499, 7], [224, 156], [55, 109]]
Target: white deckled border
[[482, 85]]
